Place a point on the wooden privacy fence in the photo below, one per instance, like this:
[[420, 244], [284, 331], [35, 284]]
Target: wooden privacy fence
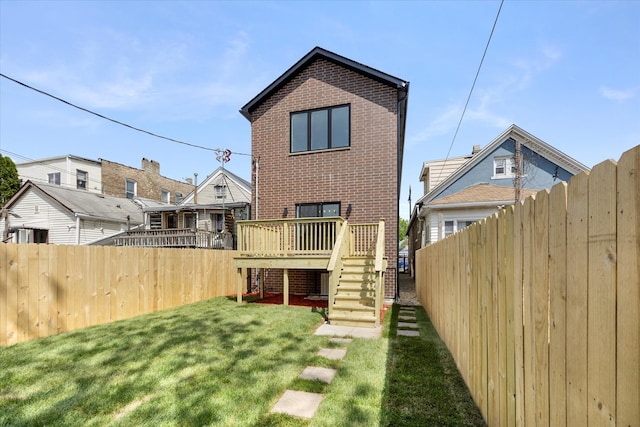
[[540, 304], [49, 289]]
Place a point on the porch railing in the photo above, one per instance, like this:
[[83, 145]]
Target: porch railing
[[174, 238], [288, 237]]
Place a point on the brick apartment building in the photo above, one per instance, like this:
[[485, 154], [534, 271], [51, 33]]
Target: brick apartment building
[[329, 137], [125, 181]]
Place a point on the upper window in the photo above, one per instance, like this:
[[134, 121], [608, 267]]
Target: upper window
[[221, 191], [504, 167], [81, 179], [320, 129], [166, 196], [131, 189], [54, 178], [178, 198]]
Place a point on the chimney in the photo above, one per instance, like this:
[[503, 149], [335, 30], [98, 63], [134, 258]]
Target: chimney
[[189, 181], [476, 150], [150, 166]]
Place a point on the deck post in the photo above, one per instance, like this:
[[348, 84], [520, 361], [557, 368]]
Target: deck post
[[260, 275], [285, 285], [239, 297]]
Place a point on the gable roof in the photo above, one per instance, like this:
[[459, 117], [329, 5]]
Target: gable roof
[[482, 194], [526, 139], [84, 203], [314, 54], [221, 174]]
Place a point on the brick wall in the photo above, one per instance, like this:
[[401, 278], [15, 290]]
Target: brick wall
[[149, 181], [363, 175]]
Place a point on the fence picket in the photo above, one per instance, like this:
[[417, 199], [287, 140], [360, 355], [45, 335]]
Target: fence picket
[[602, 295], [628, 273]]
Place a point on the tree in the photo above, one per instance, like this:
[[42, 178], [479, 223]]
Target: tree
[[9, 181], [403, 226]]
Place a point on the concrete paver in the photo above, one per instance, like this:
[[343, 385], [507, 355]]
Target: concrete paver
[[348, 331], [407, 325], [298, 404], [408, 333], [314, 373], [333, 353]]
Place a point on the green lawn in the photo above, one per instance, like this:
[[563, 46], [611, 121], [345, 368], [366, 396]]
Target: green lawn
[[220, 363]]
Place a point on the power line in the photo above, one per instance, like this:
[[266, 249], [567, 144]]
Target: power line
[[108, 118], [472, 87]]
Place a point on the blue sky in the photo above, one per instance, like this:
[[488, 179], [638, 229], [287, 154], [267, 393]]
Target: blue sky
[[567, 72]]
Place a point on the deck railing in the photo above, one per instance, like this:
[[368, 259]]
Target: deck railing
[[174, 238], [288, 237]]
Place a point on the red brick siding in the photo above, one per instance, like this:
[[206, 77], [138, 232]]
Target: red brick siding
[[364, 175]]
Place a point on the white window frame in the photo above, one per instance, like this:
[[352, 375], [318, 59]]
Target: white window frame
[[54, 178], [128, 181], [221, 191], [456, 226], [509, 167], [165, 196], [82, 184]]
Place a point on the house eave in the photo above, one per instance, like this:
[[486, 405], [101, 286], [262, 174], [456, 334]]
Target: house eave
[[314, 54]]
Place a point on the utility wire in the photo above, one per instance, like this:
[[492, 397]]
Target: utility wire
[[108, 118], [472, 87]]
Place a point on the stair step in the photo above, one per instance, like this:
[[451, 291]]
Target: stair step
[[351, 320], [361, 299], [357, 309]]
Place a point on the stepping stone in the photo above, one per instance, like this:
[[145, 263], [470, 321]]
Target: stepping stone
[[341, 340], [407, 317], [298, 404], [407, 325], [408, 308], [321, 374], [408, 333], [333, 353]]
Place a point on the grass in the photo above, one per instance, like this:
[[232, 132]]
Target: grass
[[220, 363]]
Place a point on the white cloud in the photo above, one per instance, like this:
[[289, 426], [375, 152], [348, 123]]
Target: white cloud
[[618, 94]]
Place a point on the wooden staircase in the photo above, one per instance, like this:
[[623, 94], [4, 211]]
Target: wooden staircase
[[354, 301]]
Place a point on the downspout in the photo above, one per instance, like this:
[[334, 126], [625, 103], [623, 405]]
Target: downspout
[[77, 229]]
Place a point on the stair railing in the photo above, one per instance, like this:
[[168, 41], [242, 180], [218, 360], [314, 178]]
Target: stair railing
[[334, 267], [380, 267]]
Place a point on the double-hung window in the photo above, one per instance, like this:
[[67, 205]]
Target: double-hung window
[[165, 196], [131, 189], [504, 167], [54, 178], [81, 179], [321, 129]]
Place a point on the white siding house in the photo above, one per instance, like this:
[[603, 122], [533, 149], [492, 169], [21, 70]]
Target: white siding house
[[66, 171], [44, 213]]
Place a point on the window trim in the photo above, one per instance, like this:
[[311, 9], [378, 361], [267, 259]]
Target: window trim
[[126, 188], [56, 178], [85, 181], [164, 192], [509, 166], [308, 114]]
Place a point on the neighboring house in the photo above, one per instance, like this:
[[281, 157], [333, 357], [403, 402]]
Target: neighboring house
[[66, 171], [50, 213], [328, 141], [513, 166], [204, 218], [105, 177], [125, 181]]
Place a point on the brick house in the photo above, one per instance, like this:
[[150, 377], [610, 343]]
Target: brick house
[[125, 181], [328, 140]]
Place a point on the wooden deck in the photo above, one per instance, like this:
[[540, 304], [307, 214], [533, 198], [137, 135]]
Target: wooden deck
[[175, 238], [315, 243]]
